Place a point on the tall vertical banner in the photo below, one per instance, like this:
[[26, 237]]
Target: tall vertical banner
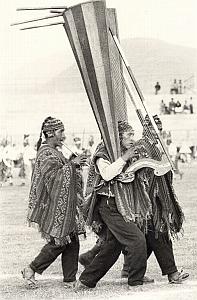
[[87, 27]]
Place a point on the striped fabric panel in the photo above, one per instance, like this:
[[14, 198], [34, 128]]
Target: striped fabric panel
[[116, 68], [88, 76], [56, 184], [86, 27]]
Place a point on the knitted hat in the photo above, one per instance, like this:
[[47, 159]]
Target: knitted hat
[[52, 124], [49, 126], [123, 126]]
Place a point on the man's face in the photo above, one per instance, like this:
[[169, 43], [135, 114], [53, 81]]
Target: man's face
[[78, 144], [59, 137], [128, 139]]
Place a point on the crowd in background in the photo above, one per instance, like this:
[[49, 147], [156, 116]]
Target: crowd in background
[[174, 107], [14, 156], [22, 158], [184, 153], [177, 87]]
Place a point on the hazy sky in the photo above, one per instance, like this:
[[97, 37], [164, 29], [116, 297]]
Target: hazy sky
[[39, 55], [173, 21]]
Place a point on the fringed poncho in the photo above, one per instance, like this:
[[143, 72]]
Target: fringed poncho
[[132, 199], [148, 196], [167, 213], [53, 196]]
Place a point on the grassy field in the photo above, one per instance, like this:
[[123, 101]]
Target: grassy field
[[19, 245]]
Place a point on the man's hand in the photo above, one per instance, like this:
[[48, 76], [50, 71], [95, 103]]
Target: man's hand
[[80, 159], [131, 153]]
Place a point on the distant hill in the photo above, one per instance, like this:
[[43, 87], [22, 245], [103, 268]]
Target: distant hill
[[151, 60]]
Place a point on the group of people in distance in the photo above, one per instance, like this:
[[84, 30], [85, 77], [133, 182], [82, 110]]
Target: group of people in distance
[[17, 156], [174, 107], [176, 87], [133, 214]]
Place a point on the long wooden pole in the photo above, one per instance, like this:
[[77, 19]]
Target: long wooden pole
[[39, 19], [39, 26], [42, 8], [141, 97]]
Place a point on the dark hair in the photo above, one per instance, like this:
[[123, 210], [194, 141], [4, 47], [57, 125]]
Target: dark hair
[[45, 134]]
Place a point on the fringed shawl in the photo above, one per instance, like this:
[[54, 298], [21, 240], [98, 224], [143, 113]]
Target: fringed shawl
[[167, 213], [131, 198], [53, 196]]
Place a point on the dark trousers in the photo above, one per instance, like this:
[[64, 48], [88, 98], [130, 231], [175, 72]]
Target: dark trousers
[[119, 234], [69, 258], [162, 248]]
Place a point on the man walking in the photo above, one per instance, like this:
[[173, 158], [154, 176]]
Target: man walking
[[54, 205]]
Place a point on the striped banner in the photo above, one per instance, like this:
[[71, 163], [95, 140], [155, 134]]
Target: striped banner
[[87, 28]]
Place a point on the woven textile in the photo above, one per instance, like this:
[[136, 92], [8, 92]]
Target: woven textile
[[167, 213], [131, 198], [53, 196], [52, 124]]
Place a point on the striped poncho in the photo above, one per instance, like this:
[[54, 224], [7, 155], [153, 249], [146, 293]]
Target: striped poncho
[[167, 213], [148, 196], [132, 199], [53, 196]]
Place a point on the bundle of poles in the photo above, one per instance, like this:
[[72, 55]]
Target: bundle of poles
[[55, 12]]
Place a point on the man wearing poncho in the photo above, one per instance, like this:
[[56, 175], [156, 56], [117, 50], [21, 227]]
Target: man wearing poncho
[[117, 204], [166, 214], [54, 205]]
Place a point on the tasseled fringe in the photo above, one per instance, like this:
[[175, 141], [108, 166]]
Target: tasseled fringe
[[176, 235], [130, 218], [58, 241], [141, 222]]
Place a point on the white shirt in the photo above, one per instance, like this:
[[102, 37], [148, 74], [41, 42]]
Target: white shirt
[[109, 170], [29, 153]]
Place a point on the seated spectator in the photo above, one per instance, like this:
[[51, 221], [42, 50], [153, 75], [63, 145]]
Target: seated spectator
[[178, 108], [186, 107]]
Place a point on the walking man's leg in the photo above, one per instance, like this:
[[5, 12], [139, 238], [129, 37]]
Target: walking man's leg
[[128, 235], [103, 261], [69, 259]]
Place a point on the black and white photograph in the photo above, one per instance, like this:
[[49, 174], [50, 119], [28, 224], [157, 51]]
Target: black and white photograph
[[98, 149]]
